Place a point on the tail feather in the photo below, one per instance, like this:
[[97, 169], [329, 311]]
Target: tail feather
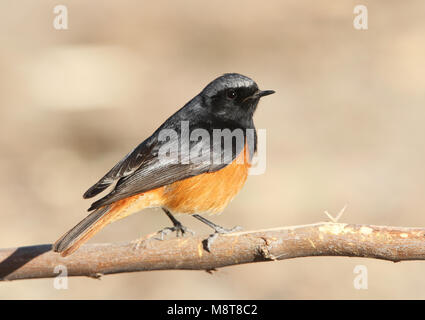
[[83, 231], [104, 215]]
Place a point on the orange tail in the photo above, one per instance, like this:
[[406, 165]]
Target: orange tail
[[83, 231], [99, 218]]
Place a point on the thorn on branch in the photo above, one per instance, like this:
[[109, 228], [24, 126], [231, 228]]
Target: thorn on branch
[[339, 215], [97, 276], [211, 271]]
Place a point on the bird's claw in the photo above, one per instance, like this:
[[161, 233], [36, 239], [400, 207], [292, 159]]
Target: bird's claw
[[178, 228], [218, 230]]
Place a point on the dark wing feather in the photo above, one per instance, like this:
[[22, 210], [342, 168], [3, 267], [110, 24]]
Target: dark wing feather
[[130, 163]]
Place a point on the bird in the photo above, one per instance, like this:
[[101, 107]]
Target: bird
[[185, 167]]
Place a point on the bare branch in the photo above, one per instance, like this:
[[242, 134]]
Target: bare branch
[[320, 239]]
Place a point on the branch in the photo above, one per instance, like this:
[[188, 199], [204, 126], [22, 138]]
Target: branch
[[320, 239]]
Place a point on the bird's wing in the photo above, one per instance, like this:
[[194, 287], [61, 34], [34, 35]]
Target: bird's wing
[[126, 166]]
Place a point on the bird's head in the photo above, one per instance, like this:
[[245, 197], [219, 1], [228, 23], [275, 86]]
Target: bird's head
[[233, 96]]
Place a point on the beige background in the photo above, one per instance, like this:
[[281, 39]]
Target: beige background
[[344, 127]]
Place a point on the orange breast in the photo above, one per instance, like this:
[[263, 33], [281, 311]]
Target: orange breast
[[208, 192]]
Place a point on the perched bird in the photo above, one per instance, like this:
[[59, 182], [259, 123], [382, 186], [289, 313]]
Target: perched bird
[[185, 167]]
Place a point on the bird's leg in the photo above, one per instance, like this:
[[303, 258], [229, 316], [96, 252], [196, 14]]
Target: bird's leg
[[218, 230], [177, 227]]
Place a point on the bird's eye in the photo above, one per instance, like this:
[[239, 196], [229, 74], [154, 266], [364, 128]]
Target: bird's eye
[[231, 94]]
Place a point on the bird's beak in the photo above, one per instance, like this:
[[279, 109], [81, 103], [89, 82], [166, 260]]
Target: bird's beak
[[259, 94], [264, 93]]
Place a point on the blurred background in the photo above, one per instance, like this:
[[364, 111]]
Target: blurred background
[[346, 126]]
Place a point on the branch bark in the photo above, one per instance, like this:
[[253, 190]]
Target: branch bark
[[188, 253]]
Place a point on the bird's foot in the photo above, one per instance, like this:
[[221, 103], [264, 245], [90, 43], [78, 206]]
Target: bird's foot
[[143, 241], [218, 230], [178, 228]]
